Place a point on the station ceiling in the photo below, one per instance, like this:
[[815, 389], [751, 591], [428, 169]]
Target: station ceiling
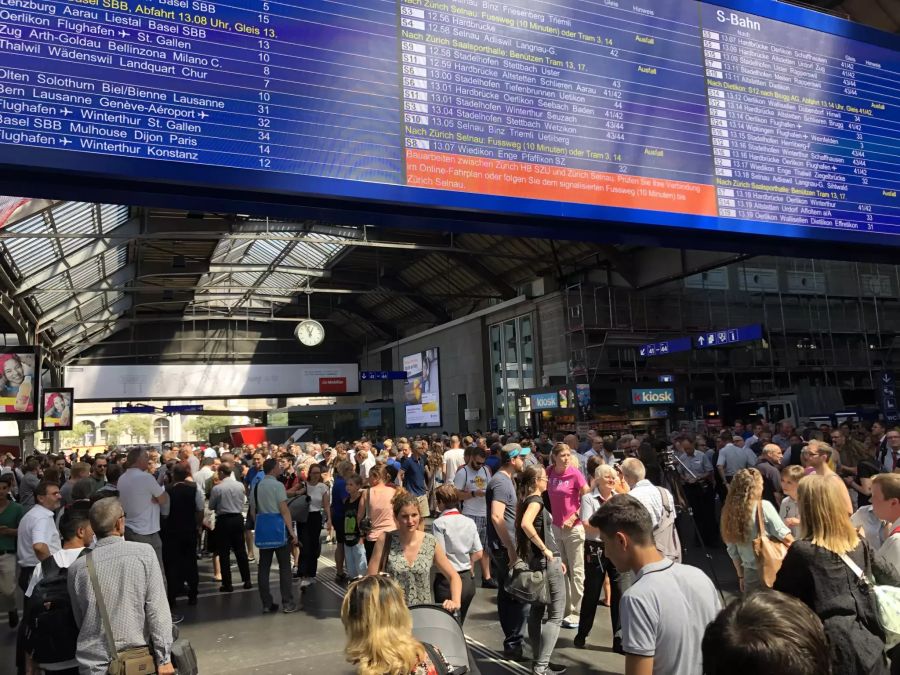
[[81, 277]]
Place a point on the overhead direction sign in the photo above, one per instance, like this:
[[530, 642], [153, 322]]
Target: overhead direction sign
[[382, 375], [887, 389], [729, 336], [681, 344]]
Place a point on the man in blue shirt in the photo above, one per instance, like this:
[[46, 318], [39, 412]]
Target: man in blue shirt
[[255, 473], [413, 467]]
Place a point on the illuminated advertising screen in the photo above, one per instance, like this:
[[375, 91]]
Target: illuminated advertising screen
[[422, 390], [19, 381], [57, 409], [732, 116]]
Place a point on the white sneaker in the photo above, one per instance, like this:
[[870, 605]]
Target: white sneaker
[[570, 621], [305, 582]]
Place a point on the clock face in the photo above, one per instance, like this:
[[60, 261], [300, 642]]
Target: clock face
[[310, 333]]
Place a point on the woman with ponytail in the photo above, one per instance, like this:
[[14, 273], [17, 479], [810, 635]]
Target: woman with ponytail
[[537, 546]]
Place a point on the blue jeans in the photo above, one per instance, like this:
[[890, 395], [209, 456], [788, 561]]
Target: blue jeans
[[513, 614], [355, 559], [543, 637]]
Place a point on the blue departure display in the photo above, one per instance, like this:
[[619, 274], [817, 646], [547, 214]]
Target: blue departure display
[[659, 112]]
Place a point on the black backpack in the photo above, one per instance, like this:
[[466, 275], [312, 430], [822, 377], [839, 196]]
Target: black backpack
[[50, 630]]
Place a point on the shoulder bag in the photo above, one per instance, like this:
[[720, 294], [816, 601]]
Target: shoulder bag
[[270, 531], [769, 553], [528, 582], [666, 535], [137, 661], [887, 603], [365, 525]]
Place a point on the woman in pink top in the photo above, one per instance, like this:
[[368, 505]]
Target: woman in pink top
[[376, 506], [565, 486]]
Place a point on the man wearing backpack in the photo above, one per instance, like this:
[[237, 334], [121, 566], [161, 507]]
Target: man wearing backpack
[[50, 629], [659, 502]]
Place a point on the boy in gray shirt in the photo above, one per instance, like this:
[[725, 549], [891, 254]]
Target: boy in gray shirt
[[666, 610]]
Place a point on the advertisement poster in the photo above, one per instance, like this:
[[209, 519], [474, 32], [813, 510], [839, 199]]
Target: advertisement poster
[[18, 383], [422, 391], [56, 411]]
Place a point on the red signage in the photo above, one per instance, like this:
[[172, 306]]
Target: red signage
[[332, 385]]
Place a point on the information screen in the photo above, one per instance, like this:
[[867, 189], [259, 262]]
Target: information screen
[[661, 112]]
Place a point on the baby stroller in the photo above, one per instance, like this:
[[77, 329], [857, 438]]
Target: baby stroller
[[438, 627]]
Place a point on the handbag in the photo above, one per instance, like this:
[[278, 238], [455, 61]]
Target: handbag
[[528, 585], [184, 658], [136, 661], [270, 531], [769, 553], [365, 525], [887, 603]]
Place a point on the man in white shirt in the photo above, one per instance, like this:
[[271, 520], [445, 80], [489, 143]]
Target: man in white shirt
[[454, 458], [886, 505], [77, 534], [38, 538], [202, 477], [365, 459], [471, 486], [666, 610], [659, 502], [141, 497], [634, 473]]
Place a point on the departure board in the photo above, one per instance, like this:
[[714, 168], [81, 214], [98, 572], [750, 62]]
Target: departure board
[[657, 112]]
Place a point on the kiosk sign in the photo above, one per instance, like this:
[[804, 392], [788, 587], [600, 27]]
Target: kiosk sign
[[653, 396]]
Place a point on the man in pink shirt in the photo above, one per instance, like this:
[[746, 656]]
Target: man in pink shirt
[[565, 486]]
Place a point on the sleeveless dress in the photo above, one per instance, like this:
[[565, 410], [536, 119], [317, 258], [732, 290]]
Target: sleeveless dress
[[415, 579]]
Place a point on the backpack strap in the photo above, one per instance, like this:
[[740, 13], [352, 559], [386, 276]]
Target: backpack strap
[[662, 496], [388, 542], [101, 605]]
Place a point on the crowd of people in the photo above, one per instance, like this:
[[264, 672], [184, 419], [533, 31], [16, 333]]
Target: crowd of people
[[427, 520]]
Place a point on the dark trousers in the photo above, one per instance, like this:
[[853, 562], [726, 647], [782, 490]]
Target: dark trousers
[[283, 554], [24, 578], [441, 589], [229, 536], [595, 572], [702, 500], [180, 561], [512, 613], [370, 547], [310, 544]]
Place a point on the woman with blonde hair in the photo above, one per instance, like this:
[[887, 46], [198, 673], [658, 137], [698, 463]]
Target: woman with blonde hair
[[379, 632], [816, 571], [740, 525]]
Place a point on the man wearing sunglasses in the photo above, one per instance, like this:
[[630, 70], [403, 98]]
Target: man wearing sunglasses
[[471, 484]]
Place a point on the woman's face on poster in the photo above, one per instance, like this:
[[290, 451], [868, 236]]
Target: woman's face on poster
[[59, 405], [13, 372]]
